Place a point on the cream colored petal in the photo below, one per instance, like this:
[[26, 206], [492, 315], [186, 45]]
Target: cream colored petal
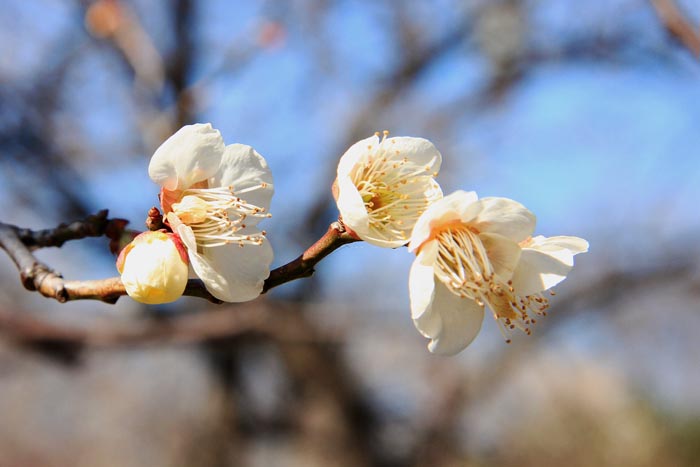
[[538, 271], [546, 262], [373, 237], [189, 156], [184, 232], [460, 318], [442, 211], [199, 264], [421, 284], [241, 270], [419, 152], [501, 216], [503, 254], [574, 245], [244, 168], [355, 153], [352, 207], [449, 321]]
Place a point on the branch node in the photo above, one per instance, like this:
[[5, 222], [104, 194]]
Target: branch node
[[26, 275]]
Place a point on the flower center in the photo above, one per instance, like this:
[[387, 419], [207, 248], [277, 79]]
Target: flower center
[[393, 190], [217, 215], [463, 265]]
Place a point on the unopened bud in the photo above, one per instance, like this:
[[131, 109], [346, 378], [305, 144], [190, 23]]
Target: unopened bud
[[154, 267]]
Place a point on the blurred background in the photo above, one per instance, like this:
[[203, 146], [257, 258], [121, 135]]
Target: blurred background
[[586, 112]]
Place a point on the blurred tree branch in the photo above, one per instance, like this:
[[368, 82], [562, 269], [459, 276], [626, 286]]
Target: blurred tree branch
[[678, 25]]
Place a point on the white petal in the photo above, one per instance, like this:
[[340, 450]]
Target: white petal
[[352, 208], [573, 244], [230, 273], [187, 236], [421, 283], [243, 167], [502, 216], [375, 239], [451, 322], [502, 252], [354, 153], [448, 209], [199, 264], [191, 155], [419, 151], [460, 320], [545, 263], [241, 271], [538, 271]]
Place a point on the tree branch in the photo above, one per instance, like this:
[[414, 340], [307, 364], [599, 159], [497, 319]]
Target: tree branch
[[678, 25], [37, 276], [28, 329], [303, 266]]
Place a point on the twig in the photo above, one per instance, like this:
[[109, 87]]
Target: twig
[[37, 276], [303, 266], [678, 25]]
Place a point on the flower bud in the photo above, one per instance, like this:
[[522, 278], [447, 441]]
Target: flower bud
[[154, 267]]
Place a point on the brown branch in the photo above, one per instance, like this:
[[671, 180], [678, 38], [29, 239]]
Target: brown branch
[[92, 226], [303, 266], [37, 276], [678, 25]]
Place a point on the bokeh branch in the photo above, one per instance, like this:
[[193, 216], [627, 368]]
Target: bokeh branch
[[677, 24], [209, 325], [37, 276]]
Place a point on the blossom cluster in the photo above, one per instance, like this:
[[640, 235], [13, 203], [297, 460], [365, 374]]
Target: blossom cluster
[[471, 253], [213, 197]]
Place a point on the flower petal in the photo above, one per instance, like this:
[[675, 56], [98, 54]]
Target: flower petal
[[241, 270], [419, 152], [501, 216], [446, 210], [421, 284], [451, 322], [354, 153], [460, 320], [191, 155], [545, 263], [503, 253], [574, 245], [352, 208], [245, 169]]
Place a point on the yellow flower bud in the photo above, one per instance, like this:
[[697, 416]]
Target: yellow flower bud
[[154, 268]]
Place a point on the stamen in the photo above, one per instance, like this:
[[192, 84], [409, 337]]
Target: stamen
[[216, 215], [393, 189], [464, 267]]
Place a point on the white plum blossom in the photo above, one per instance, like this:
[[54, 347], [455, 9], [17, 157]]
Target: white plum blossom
[[474, 252], [384, 185], [153, 268], [213, 197]]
